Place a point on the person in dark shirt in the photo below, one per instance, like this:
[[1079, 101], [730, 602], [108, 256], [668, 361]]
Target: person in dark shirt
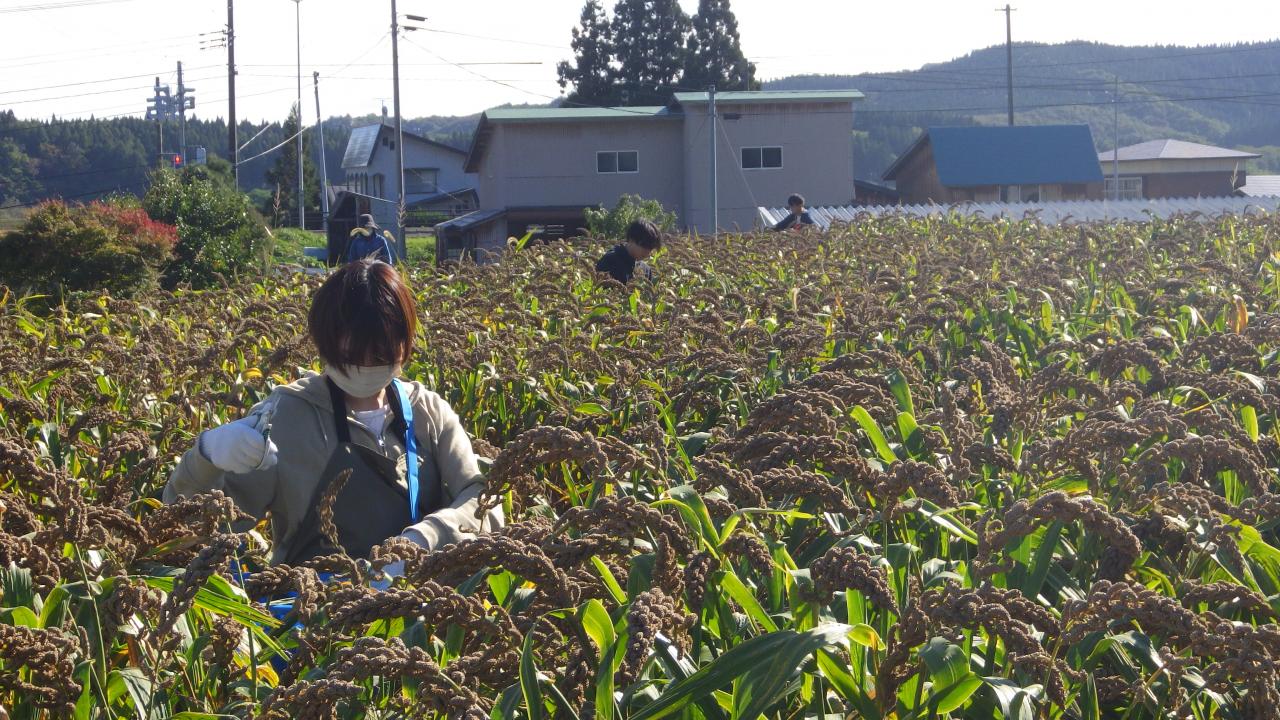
[[799, 216], [643, 237], [368, 241]]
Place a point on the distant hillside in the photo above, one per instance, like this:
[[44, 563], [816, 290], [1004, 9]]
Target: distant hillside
[[1223, 95], [83, 159], [1073, 83]]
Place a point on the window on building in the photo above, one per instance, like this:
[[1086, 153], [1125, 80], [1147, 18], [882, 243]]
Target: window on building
[[617, 161], [761, 158], [421, 181], [1130, 188], [1020, 193]]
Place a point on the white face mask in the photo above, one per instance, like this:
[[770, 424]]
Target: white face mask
[[363, 382]]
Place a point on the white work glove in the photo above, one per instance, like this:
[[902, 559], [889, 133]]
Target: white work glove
[[244, 445], [387, 575]]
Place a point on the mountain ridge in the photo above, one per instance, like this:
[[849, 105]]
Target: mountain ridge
[[1225, 95]]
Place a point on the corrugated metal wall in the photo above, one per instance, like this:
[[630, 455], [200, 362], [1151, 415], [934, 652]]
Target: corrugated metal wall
[[1080, 211]]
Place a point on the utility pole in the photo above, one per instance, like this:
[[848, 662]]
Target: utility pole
[[1115, 154], [324, 170], [185, 103], [401, 250], [161, 107], [1008, 47], [715, 187], [233, 143], [182, 115], [301, 194]]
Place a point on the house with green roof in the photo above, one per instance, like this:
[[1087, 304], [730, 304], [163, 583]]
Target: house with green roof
[[539, 168]]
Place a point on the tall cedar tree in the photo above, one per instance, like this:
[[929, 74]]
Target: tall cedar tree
[[714, 51], [284, 173], [591, 72], [649, 47]]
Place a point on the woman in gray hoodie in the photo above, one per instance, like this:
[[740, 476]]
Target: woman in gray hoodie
[[412, 470]]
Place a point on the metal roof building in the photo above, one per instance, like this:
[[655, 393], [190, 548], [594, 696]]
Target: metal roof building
[[1174, 150], [1261, 186], [1004, 155], [1175, 168], [991, 163]]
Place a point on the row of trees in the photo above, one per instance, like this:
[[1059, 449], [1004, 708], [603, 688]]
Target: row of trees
[[651, 48], [84, 159]]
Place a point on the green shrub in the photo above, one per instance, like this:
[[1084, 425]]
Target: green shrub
[[613, 223], [111, 246], [219, 232]]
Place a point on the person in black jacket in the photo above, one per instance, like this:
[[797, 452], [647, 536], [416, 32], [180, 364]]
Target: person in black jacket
[[799, 216], [643, 237]]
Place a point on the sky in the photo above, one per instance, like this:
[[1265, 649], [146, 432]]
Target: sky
[[76, 58]]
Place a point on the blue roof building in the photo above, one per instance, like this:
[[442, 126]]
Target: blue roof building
[[1020, 163]]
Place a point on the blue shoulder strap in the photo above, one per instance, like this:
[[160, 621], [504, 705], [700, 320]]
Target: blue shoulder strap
[[410, 447]]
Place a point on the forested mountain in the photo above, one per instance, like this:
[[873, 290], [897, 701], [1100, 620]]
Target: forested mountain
[[1223, 95], [1238, 87]]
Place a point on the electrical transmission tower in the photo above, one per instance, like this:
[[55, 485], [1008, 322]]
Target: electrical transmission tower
[[164, 105]]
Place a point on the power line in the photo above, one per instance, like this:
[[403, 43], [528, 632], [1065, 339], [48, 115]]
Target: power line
[[99, 171], [1144, 58], [59, 5], [94, 92], [33, 203], [133, 113], [477, 74], [490, 37], [350, 78], [284, 142], [97, 50], [403, 64], [885, 110], [101, 80]]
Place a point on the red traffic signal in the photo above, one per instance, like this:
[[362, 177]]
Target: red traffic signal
[[177, 161]]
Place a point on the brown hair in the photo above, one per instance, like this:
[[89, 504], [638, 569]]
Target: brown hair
[[363, 314]]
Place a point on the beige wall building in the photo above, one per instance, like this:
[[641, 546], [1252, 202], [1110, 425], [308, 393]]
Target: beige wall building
[[538, 168], [1175, 169]]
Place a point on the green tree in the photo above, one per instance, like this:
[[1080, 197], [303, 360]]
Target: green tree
[[591, 73], [219, 232], [17, 173], [714, 51], [649, 44], [284, 173], [612, 223]]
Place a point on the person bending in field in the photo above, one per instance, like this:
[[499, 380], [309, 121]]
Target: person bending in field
[[643, 238], [393, 452], [799, 216]]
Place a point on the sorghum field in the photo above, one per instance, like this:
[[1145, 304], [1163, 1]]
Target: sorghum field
[[909, 469]]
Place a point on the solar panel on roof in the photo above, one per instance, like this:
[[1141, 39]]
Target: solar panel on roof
[[360, 146]]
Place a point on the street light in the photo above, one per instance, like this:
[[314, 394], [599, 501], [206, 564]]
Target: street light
[[301, 189]]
